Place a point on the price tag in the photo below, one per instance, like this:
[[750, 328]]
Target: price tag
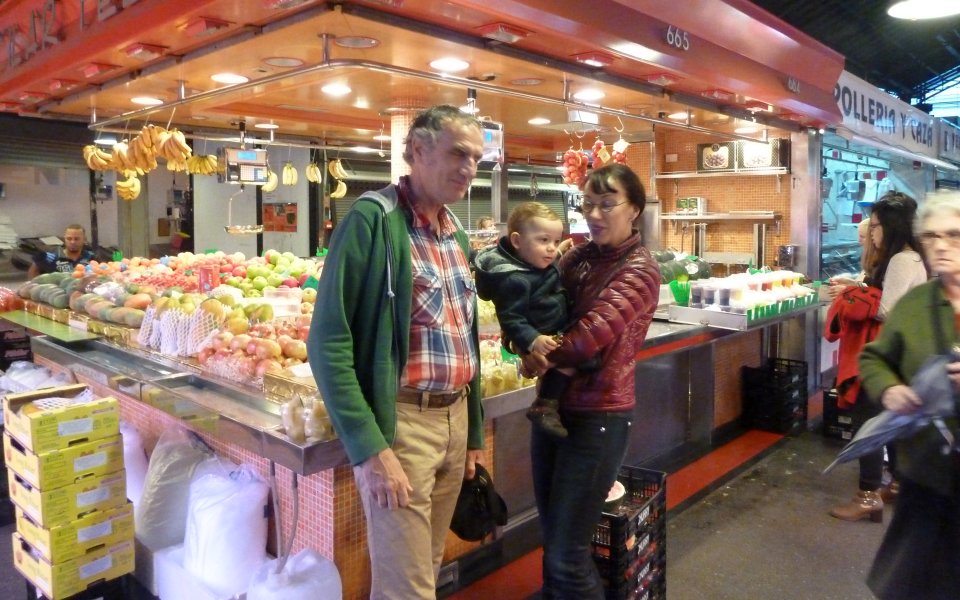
[[77, 323]]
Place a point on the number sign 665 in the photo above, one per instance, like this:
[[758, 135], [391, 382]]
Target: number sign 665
[[678, 38]]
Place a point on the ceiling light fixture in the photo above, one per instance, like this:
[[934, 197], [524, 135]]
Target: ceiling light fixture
[[282, 61], [203, 26], [270, 125], [63, 85], [33, 97], [364, 150], [526, 81], [916, 10], [229, 78], [381, 137], [746, 129], [449, 64], [146, 100], [356, 42], [756, 106], [144, 51], [539, 121], [662, 79], [679, 116], [336, 89], [594, 59], [717, 94], [501, 32], [93, 69], [589, 95]]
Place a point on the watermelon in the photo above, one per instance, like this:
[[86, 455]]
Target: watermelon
[[663, 256]]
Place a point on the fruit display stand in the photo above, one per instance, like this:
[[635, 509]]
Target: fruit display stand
[[242, 423]]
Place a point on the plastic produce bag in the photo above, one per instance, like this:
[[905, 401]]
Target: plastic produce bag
[[306, 576], [24, 376], [134, 461], [226, 535], [161, 517]]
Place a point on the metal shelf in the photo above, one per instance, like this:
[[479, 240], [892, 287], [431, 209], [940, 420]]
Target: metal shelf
[[745, 216], [748, 173]]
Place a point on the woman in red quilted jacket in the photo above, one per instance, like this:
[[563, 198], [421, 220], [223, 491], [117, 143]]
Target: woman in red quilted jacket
[[614, 284]]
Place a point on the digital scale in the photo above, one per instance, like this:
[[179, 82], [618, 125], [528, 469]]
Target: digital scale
[[243, 166]]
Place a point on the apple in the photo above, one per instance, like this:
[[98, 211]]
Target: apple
[[239, 271], [291, 282], [234, 281], [237, 326], [274, 279], [309, 295], [259, 282]]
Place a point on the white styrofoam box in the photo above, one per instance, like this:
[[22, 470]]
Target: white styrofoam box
[[145, 567]]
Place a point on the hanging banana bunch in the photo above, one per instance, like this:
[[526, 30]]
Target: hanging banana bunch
[[129, 188], [336, 170], [272, 181], [313, 173], [289, 176]]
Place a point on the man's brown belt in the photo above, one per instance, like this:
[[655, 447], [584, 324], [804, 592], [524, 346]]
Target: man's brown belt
[[429, 399]]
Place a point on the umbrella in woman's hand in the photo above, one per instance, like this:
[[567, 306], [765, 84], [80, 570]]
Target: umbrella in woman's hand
[[933, 386]]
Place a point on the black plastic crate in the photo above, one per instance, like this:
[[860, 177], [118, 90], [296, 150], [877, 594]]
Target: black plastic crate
[[837, 423], [795, 370], [645, 574], [643, 504]]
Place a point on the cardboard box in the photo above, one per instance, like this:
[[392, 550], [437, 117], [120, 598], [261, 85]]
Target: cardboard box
[[43, 429], [61, 505], [99, 529], [14, 351], [58, 468], [62, 580], [11, 333]]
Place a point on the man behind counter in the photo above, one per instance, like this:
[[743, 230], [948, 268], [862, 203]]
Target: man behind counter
[[65, 258]]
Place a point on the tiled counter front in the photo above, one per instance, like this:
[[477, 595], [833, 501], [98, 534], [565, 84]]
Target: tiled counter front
[[330, 515]]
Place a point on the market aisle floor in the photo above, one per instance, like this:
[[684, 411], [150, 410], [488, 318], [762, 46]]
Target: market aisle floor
[[764, 534]]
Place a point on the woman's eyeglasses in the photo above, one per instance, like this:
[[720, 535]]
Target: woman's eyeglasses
[[951, 237], [587, 207]]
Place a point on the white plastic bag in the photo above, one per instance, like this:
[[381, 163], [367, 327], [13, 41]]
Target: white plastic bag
[[161, 516], [306, 576], [134, 461], [226, 535]]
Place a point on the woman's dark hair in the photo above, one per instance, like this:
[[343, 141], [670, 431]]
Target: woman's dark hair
[[895, 213], [601, 181]]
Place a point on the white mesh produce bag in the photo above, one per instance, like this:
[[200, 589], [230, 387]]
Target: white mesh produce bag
[[226, 534]]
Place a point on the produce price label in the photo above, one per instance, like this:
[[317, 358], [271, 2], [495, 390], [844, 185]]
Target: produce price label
[[95, 531], [97, 566], [75, 426], [92, 461]]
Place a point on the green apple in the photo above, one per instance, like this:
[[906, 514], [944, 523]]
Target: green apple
[[233, 281], [259, 282], [274, 280]]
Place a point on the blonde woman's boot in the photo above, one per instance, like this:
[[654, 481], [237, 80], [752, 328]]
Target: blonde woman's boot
[[865, 505]]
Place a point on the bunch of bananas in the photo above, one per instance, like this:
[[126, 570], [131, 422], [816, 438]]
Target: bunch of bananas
[[314, 174], [202, 164], [272, 181], [172, 145], [337, 171], [340, 191], [177, 166], [129, 188], [97, 158], [289, 174]]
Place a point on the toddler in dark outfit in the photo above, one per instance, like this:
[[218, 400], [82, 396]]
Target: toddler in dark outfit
[[520, 276]]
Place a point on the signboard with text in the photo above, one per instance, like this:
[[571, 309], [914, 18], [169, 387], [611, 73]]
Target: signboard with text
[[872, 113], [948, 141]]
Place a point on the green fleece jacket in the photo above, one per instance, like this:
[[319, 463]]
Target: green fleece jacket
[[360, 332], [908, 337]]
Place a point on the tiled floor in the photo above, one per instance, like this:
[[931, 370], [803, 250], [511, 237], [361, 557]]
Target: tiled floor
[[521, 578]]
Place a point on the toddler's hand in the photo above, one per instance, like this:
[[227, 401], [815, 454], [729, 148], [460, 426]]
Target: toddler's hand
[[544, 344]]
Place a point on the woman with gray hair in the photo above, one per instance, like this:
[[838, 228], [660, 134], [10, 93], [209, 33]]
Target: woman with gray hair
[[919, 557]]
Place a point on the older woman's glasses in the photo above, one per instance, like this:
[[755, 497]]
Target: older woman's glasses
[[587, 207], [951, 237]]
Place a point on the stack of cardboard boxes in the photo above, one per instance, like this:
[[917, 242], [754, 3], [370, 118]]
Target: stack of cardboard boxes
[[14, 344], [75, 526]]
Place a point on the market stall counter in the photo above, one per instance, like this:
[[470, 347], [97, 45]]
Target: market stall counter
[[680, 404]]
